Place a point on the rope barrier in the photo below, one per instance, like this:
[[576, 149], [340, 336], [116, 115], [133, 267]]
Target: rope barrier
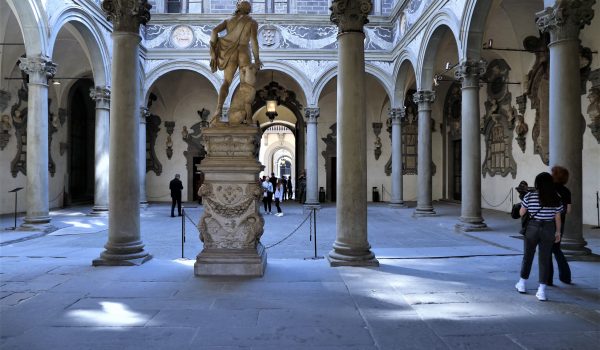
[[58, 196], [291, 233], [497, 205]]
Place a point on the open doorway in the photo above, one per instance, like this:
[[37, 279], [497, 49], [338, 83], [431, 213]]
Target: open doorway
[[81, 112]]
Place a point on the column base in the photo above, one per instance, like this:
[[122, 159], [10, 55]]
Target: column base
[[344, 255], [45, 227], [123, 254], [144, 204], [310, 206], [575, 248], [470, 227], [231, 262], [397, 205], [99, 210], [424, 212], [36, 220]]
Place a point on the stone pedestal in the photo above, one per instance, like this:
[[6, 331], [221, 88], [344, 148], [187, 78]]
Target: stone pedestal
[[101, 94], [231, 225], [564, 21], [471, 218], [396, 115]]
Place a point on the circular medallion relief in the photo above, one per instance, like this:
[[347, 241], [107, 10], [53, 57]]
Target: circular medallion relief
[[182, 37]]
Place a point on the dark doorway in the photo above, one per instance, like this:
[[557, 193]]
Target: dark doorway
[[198, 178], [82, 111], [331, 178], [456, 166]]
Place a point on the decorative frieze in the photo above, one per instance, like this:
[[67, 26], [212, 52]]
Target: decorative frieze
[[350, 15], [565, 19], [127, 15]]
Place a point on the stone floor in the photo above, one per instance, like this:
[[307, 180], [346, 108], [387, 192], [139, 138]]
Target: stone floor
[[435, 289]]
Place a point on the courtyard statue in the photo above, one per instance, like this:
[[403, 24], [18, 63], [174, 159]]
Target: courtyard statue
[[232, 51]]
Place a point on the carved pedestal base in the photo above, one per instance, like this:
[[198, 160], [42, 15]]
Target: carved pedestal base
[[231, 225]]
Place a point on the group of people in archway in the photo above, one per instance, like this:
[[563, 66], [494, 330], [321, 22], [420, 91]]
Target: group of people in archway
[[275, 189], [545, 207]]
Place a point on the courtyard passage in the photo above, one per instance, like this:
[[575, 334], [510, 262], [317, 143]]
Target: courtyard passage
[[435, 288]]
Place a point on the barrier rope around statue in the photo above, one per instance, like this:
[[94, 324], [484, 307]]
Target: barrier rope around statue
[[501, 203], [186, 216]]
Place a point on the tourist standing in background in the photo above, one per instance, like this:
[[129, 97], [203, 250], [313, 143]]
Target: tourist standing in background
[[175, 186], [560, 175], [267, 194], [279, 197]]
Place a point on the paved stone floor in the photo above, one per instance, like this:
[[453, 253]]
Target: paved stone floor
[[435, 289]]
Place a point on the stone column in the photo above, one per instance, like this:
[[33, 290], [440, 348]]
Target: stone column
[[563, 21], [470, 206], [39, 70], [124, 246], [312, 158], [351, 247], [101, 94], [396, 115], [424, 99], [144, 113]]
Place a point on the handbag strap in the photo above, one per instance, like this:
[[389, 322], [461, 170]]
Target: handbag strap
[[531, 216]]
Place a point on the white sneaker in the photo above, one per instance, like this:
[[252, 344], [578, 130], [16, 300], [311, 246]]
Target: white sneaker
[[521, 287], [280, 214], [541, 295]]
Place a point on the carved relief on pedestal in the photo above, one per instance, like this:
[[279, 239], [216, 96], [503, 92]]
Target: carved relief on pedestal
[[498, 122]]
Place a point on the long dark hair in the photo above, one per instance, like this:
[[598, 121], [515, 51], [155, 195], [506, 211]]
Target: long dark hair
[[544, 184]]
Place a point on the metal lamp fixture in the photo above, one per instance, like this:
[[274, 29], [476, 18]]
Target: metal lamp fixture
[[272, 101]]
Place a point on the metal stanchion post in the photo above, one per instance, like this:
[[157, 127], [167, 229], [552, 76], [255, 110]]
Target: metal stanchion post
[[15, 190], [314, 220], [182, 231], [597, 210]]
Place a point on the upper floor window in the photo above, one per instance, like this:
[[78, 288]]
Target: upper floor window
[[271, 6], [185, 6]]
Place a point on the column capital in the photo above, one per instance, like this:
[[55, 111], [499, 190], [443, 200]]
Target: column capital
[[127, 15], [101, 94], [565, 19], [396, 114], [39, 69], [469, 71], [350, 15], [144, 114], [311, 114], [424, 98]]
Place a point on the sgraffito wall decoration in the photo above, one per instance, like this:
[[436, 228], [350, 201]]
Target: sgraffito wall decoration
[[593, 109], [18, 113], [498, 122]]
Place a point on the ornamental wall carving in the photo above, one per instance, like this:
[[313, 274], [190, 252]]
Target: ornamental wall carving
[[498, 122]]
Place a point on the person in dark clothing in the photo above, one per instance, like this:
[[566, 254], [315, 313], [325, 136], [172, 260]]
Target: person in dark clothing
[[175, 186], [273, 180], [560, 175], [284, 184], [290, 189], [544, 208]]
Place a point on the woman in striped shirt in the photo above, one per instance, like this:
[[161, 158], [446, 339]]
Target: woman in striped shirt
[[544, 207]]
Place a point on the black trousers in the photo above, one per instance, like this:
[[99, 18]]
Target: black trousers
[[267, 202], [277, 205], [538, 233], [173, 201], [564, 271]]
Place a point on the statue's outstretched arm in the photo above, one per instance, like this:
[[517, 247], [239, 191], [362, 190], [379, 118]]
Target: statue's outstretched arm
[[254, 42]]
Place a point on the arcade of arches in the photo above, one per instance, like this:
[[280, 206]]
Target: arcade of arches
[[462, 101]]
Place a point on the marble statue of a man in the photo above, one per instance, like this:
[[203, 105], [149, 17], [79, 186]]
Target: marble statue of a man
[[232, 50]]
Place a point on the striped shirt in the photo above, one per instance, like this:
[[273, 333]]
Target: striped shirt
[[531, 201]]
